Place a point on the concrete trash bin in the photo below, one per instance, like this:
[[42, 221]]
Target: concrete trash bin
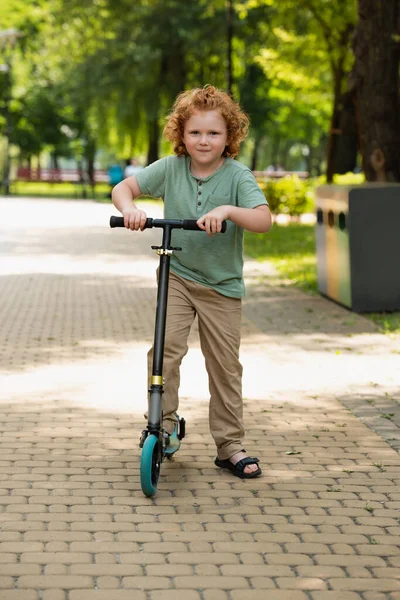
[[358, 245]]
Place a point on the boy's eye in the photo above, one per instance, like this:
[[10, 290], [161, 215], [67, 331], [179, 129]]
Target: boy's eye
[[196, 132]]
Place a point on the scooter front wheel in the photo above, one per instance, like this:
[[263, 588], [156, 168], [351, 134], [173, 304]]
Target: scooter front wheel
[[150, 465]]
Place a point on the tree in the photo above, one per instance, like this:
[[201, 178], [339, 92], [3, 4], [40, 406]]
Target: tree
[[296, 63], [113, 71], [336, 21], [375, 83], [131, 64], [254, 95], [22, 20]]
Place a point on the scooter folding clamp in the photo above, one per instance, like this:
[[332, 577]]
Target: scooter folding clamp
[[143, 437], [167, 251]]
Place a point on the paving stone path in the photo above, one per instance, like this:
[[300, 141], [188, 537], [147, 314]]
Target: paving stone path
[[322, 390]]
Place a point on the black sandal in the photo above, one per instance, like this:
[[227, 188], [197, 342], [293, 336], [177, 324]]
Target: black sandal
[[239, 467]]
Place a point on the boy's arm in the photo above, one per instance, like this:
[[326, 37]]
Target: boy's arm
[[123, 195], [257, 220]]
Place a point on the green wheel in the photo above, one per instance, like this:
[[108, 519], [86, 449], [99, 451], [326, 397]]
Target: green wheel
[[150, 464]]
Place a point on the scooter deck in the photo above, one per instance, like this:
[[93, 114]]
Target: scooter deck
[[174, 442]]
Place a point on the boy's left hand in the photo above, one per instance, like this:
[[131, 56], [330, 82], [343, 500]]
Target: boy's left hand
[[211, 222]]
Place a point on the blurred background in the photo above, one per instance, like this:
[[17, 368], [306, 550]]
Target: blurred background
[[85, 87]]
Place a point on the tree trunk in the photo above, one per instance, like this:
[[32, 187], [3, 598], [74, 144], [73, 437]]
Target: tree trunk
[[154, 134], [55, 160], [90, 156], [284, 154], [346, 147], [255, 153], [276, 142], [309, 160], [340, 44], [229, 34], [338, 76], [375, 82], [153, 111]]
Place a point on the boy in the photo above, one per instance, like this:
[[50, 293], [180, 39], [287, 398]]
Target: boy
[[203, 182]]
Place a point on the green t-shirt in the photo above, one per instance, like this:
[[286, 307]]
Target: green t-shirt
[[216, 261]]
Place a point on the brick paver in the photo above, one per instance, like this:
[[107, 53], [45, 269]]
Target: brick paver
[[76, 319]]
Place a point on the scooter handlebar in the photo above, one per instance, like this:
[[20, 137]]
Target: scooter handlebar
[[192, 224], [188, 224], [119, 222]]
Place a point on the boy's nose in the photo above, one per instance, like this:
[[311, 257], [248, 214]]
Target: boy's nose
[[204, 140]]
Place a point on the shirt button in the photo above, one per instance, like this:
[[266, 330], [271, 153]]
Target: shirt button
[[200, 183], [199, 193], [199, 203]]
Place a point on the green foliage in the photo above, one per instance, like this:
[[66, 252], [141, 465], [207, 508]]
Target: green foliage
[[349, 179], [346, 179], [117, 67], [291, 249], [255, 98], [289, 195], [387, 322], [297, 64]]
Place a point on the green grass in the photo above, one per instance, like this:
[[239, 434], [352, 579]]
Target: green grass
[[42, 189], [68, 191], [291, 249], [387, 322]]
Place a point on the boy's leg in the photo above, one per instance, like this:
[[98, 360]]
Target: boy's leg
[[180, 317], [219, 329]]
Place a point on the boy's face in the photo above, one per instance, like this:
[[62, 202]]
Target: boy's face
[[205, 137]]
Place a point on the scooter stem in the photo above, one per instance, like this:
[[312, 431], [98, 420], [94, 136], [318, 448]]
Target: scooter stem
[[161, 310], [157, 386]]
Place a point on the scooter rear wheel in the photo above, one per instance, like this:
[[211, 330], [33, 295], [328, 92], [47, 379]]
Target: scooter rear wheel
[[150, 464]]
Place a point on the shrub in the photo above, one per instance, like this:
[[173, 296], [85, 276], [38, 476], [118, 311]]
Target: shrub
[[272, 195], [290, 196]]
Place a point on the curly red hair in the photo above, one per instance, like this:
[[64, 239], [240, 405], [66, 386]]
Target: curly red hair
[[206, 98]]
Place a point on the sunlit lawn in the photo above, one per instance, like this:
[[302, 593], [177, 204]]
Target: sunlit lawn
[[68, 191], [43, 189], [291, 249]]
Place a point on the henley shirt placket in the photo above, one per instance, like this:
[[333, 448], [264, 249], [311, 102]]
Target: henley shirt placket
[[199, 185]]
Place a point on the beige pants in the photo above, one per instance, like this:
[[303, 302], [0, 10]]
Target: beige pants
[[219, 319]]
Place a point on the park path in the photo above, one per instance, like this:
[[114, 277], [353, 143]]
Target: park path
[[321, 388]]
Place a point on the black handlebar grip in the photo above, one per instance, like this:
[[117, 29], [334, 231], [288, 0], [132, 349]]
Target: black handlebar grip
[[192, 225], [119, 222]]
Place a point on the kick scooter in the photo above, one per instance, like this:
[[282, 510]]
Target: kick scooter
[[155, 443]]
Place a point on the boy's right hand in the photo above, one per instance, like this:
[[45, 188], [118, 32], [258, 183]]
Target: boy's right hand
[[134, 219]]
